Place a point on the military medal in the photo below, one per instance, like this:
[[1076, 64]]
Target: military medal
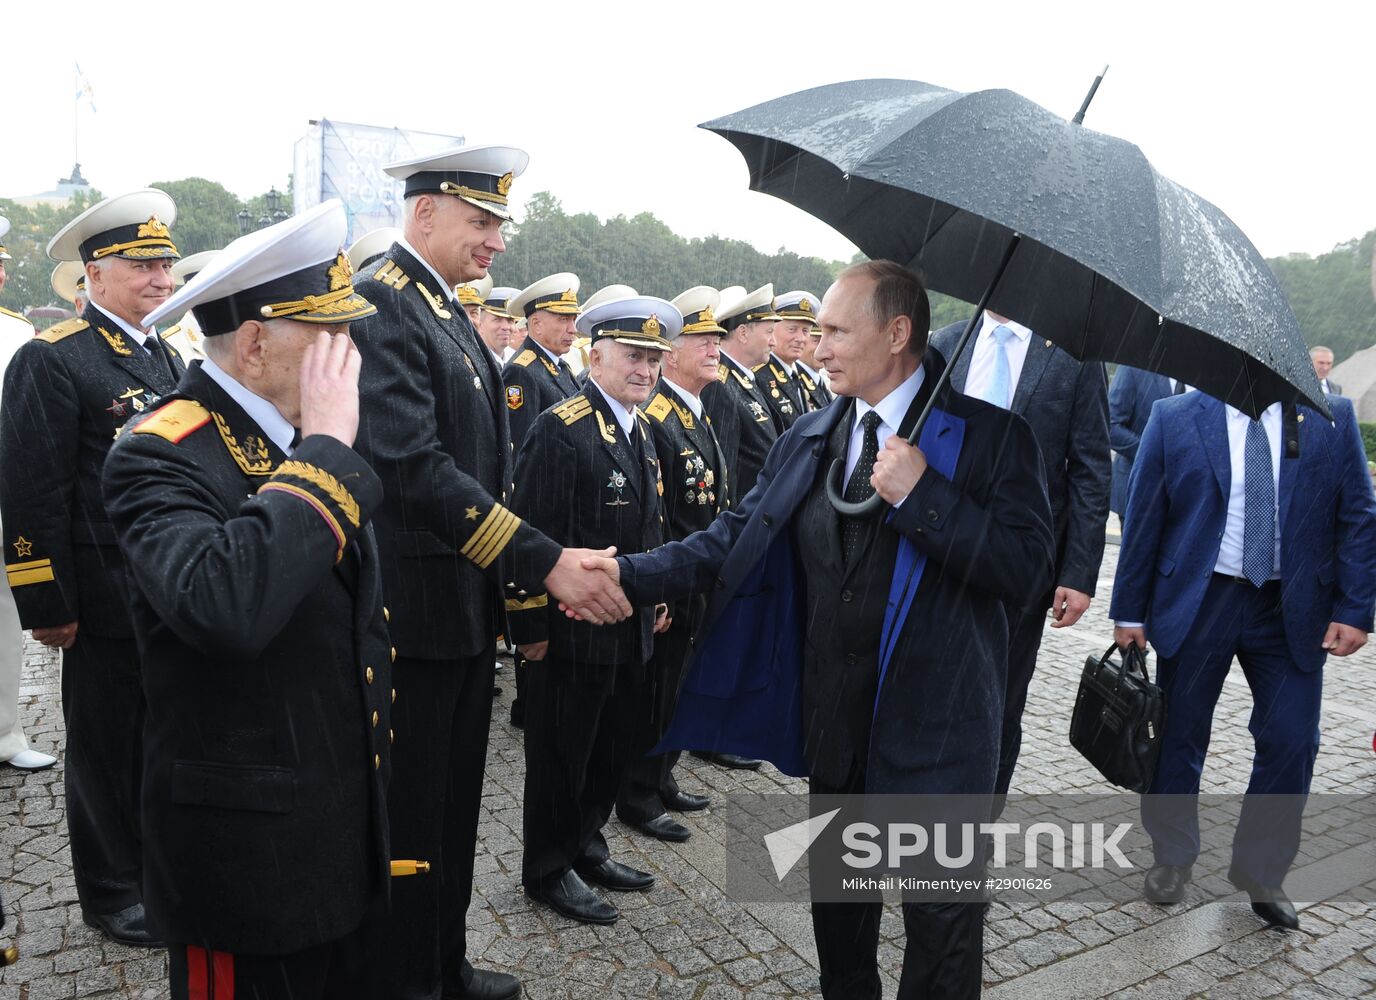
[[617, 482]]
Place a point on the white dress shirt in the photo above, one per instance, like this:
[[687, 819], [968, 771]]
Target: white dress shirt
[[138, 336], [981, 373], [260, 411], [624, 417], [445, 288], [691, 401], [891, 409]]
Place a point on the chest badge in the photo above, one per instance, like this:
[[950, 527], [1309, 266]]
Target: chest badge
[[617, 483]]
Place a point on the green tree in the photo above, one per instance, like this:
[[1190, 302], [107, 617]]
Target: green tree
[[28, 277]]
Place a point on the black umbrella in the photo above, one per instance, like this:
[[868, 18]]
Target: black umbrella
[[1114, 262]]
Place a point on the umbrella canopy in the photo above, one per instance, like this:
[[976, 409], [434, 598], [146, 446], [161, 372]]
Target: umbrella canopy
[[1116, 262]]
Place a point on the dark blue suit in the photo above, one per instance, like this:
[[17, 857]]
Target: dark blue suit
[[1130, 398], [1197, 620]]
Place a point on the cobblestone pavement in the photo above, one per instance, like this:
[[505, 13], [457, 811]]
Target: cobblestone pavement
[[685, 940]]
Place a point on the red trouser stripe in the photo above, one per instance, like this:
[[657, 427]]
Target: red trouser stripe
[[210, 974]]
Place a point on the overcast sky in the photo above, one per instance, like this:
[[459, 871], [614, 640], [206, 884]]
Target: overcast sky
[[1270, 119]]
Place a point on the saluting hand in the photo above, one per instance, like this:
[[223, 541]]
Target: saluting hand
[[329, 388], [897, 468]]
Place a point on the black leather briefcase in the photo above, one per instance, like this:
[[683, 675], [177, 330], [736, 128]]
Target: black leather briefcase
[[1118, 718]]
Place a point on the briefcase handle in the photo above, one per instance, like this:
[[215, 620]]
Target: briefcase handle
[[1134, 661]]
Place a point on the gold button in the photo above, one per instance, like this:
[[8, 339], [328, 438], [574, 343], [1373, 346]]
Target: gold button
[[386, 615], [375, 718], [394, 696], [368, 675], [377, 761], [391, 736], [394, 654]]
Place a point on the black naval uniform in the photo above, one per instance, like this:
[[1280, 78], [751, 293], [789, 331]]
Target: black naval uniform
[[68, 391], [581, 481], [696, 491], [258, 608], [535, 380], [746, 425], [816, 393], [434, 427], [781, 391]]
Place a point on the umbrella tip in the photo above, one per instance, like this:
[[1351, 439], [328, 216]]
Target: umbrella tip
[[1079, 118]]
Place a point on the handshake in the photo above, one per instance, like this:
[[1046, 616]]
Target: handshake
[[587, 584]]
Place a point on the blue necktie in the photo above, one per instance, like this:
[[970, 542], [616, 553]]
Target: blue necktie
[[999, 382], [1259, 510]]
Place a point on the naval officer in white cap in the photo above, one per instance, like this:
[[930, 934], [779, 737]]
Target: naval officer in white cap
[[243, 512], [67, 393], [434, 425]]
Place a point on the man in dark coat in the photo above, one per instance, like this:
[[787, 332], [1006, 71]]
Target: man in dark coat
[[68, 391], [696, 491], [537, 376], [588, 476], [1130, 399], [243, 513], [859, 698], [434, 427], [1066, 402]]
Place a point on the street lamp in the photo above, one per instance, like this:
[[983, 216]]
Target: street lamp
[[275, 213]]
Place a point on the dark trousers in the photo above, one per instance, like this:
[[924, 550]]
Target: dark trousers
[[441, 717], [1024, 642], [520, 671], [943, 949], [580, 734], [103, 708], [1239, 620], [649, 777], [336, 970]]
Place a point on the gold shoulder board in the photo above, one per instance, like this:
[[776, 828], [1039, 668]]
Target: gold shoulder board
[[524, 358], [659, 407], [573, 410], [63, 330], [175, 420], [721, 373]]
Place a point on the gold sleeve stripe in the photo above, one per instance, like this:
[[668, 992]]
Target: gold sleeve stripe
[[530, 604], [326, 482], [277, 486], [491, 537], [22, 574]]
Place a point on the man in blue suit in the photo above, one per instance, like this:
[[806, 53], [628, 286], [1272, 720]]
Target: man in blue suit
[[1254, 539], [1130, 398], [873, 658]]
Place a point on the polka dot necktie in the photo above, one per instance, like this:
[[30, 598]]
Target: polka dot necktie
[[1259, 506], [859, 487]]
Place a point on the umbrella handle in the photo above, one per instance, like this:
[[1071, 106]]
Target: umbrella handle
[[836, 477]]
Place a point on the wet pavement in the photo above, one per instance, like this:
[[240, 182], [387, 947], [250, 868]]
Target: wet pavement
[[686, 940]]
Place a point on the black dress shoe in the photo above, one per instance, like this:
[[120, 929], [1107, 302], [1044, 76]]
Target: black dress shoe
[[665, 827], [618, 877], [685, 802], [731, 760], [127, 926], [496, 690], [1166, 883], [571, 896], [486, 985], [518, 715], [1271, 905]]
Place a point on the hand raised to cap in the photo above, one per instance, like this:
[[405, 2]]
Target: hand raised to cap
[[329, 387], [586, 588]]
